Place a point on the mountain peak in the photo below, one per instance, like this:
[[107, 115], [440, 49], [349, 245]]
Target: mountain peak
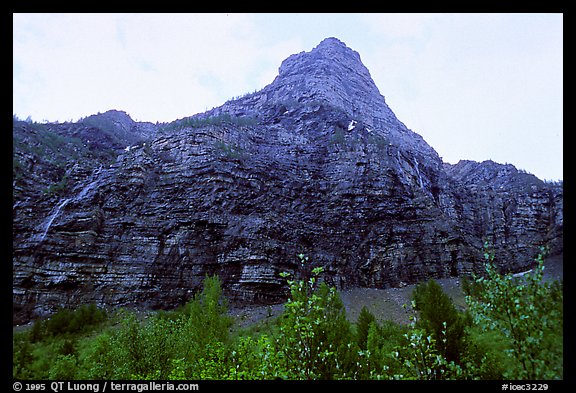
[[331, 73], [330, 56], [331, 41], [332, 46]]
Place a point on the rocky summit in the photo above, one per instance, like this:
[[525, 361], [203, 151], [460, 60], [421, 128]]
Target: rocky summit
[[123, 213]]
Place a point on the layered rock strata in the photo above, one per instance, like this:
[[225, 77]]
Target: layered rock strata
[[314, 163]]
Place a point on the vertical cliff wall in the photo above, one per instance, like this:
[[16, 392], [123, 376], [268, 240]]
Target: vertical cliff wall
[[122, 213]]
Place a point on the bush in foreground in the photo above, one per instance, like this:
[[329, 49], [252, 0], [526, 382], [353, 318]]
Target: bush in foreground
[[517, 334]]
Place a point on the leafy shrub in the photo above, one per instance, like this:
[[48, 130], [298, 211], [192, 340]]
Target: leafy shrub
[[22, 356], [256, 358], [64, 368], [382, 346], [203, 333], [98, 358], [314, 332], [517, 334], [528, 312], [67, 321], [193, 340], [420, 355], [485, 357], [230, 150], [216, 120]]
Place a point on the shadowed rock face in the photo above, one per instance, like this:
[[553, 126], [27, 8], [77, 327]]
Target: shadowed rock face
[[314, 163]]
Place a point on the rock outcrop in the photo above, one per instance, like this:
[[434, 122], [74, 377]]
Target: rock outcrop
[[314, 163]]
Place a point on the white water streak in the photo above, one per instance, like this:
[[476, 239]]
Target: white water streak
[[50, 219]]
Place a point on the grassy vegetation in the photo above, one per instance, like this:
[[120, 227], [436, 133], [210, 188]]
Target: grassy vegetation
[[230, 150], [217, 120], [511, 330], [43, 153]]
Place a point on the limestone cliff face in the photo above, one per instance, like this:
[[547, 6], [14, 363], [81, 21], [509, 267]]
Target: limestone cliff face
[[314, 163], [511, 209]]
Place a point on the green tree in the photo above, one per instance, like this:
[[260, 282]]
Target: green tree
[[382, 346], [420, 355], [64, 367], [189, 344], [22, 356], [99, 358], [363, 326], [314, 333], [255, 358], [485, 357], [203, 333], [439, 317], [528, 312]]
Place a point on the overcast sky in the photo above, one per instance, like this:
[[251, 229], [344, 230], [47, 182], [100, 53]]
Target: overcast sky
[[475, 86]]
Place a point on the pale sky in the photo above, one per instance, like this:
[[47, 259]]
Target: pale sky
[[475, 86]]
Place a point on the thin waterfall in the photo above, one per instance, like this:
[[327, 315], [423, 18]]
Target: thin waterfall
[[50, 219]]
